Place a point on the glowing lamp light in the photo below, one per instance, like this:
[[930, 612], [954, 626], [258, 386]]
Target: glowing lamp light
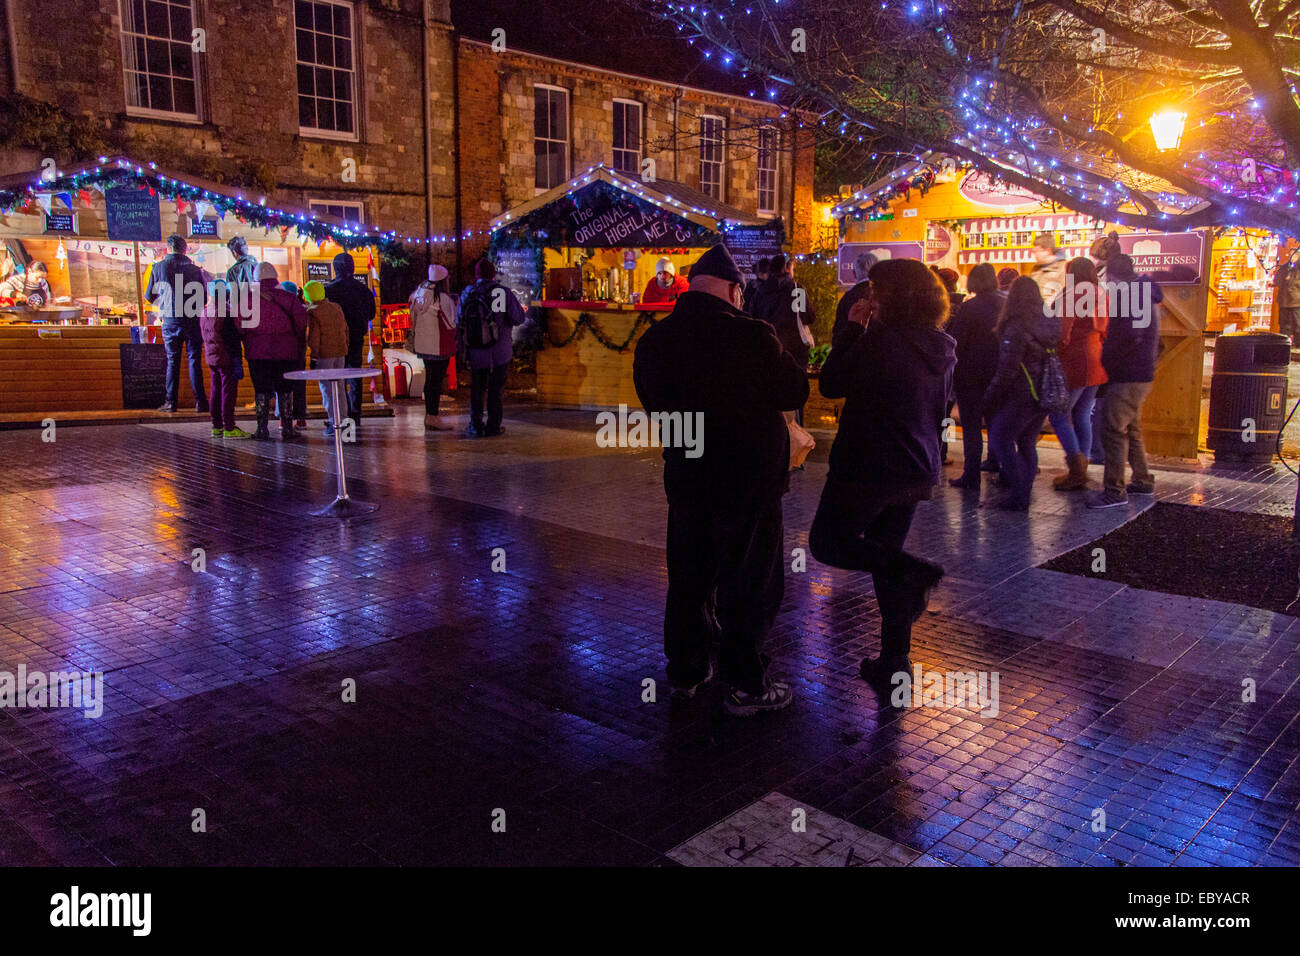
[[1167, 129]]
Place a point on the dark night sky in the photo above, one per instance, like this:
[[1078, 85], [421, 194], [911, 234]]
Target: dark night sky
[[612, 34]]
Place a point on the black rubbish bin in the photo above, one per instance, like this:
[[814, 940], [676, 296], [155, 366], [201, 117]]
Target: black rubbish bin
[[1248, 395]]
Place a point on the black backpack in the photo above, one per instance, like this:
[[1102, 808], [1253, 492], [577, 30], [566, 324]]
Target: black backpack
[[476, 318]]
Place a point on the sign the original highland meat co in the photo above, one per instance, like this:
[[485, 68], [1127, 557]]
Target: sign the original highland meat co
[[608, 218]]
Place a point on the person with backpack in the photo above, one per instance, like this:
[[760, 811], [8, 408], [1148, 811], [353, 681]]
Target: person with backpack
[[1029, 336], [171, 284], [433, 338], [488, 311], [358, 305], [1129, 358], [273, 346], [1081, 308], [223, 352]]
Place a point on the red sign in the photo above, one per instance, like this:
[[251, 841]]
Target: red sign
[[938, 243]]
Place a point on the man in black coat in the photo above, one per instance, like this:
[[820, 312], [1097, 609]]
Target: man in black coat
[[177, 285], [358, 307], [725, 531]]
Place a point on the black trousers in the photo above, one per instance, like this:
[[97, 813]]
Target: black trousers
[[489, 383], [858, 532], [971, 406], [356, 349], [729, 561], [435, 370], [184, 334]]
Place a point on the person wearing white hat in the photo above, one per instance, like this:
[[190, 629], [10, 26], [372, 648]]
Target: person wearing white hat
[[433, 338], [667, 285]]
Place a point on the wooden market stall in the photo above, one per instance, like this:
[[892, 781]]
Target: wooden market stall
[[87, 340], [957, 219], [583, 253]]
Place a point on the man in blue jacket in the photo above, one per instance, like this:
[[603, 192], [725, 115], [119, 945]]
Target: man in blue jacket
[[1129, 357], [177, 285]]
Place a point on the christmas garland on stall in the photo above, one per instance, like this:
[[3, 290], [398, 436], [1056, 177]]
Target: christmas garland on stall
[[102, 177], [585, 321]]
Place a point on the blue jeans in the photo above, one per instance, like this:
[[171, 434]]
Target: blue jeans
[[1074, 428], [186, 334], [1013, 439]]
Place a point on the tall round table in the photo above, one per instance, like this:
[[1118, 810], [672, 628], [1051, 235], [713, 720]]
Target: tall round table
[[343, 504]]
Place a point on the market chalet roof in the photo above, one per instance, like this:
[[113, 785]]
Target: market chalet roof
[[672, 196]]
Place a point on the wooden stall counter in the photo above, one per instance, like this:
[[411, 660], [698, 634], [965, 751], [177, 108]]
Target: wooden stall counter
[[587, 359]]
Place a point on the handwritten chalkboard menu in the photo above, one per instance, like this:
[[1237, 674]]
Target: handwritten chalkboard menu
[[748, 244], [517, 271], [321, 270], [205, 228], [61, 222], [144, 375], [132, 214]]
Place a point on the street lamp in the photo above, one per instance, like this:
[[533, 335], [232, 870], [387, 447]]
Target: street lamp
[[1167, 128]]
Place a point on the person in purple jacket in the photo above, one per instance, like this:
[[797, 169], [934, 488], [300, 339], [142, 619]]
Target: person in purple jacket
[[273, 340], [488, 311]]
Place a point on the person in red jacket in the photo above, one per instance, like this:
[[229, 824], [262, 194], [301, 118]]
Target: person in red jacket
[[1081, 307], [667, 285]]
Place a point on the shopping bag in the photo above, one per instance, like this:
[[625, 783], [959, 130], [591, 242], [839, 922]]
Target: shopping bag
[[801, 441]]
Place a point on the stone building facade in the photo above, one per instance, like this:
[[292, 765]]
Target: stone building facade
[[290, 97], [499, 94]]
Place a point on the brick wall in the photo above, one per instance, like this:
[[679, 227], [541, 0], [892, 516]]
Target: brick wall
[[70, 53]]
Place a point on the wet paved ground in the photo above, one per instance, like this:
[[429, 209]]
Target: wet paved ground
[[522, 691]]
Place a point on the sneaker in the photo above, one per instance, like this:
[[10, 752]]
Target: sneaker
[[740, 704], [235, 433], [203, 409], [1107, 499], [217, 432], [474, 432], [686, 692], [966, 482], [1141, 488], [300, 423], [880, 671], [166, 407]]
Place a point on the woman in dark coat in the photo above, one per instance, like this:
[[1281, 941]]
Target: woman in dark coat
[[977, 359], [893, 366], [1027, 330]]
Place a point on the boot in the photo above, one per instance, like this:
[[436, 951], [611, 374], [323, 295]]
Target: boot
[[262, 402], [287, 431], [1076, 479]]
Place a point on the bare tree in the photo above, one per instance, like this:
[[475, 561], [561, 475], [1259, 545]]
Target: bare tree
[[1051, 95]]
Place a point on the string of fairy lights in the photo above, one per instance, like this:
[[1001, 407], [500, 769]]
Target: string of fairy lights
[[998, 140]]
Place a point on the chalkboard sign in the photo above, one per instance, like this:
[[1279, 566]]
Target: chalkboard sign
[[517, 271], [133, 215], [61, 222], [205, 228], [748, 244], [320, 270], [144, 375], [602, 216]]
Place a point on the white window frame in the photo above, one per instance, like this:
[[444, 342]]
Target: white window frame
[[640, 134], [315, 132], [773, 170], [565, 142], [720, 162], [148, 112], [319, 206]]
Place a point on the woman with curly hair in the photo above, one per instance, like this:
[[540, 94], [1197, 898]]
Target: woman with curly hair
[[893, 366]]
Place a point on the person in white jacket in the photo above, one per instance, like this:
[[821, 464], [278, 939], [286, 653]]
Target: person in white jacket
[[433, 335]]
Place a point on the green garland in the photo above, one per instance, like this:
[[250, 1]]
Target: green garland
[[585, 321]]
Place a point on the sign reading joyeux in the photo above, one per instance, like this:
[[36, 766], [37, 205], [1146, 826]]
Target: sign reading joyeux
[[881, 250], [983, 190], [1171, 258]]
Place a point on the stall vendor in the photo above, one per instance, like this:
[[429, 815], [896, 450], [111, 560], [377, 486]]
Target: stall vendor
[[667, 285], [31, 286]]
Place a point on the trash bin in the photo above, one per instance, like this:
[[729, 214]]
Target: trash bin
[[1248, 395]]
